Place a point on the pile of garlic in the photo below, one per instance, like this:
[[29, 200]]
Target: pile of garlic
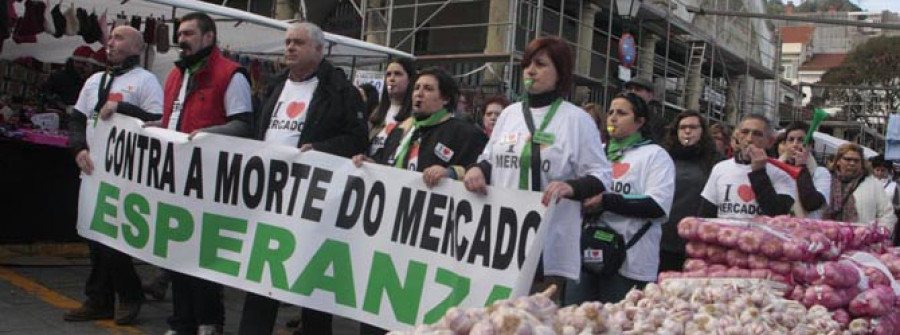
[[675, 307]]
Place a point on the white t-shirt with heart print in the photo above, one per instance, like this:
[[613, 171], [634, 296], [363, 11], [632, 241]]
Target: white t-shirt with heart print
[[729, 189], [290, 112], [576, 152], [644, 171], [138, 87], [389, 125]]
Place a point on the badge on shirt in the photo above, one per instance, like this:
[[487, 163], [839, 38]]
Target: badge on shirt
[[509, 138], [443, 152]]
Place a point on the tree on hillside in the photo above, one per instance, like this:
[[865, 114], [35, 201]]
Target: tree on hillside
[[813, 6], [874, 63], [774, 7]]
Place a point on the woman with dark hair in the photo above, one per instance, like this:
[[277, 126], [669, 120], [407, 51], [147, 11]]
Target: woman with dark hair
[[414, 143], [432, 141], [855, 194], [394, 106], [694, 153], [490, 112], [560, 152], [370, 97], [721, 133], [813, 182], [635, 207]]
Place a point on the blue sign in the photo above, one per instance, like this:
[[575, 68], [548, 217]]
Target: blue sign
[[627, 50]]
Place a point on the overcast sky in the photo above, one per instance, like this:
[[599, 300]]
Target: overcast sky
[[879, 5]]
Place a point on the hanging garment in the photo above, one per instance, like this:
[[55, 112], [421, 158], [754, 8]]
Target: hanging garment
[[162, 37], [150, 30], [32, 23]]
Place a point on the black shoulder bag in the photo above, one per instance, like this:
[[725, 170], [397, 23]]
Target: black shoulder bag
[[603, 250]]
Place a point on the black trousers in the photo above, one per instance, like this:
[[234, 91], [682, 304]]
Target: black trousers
[[607, 288], [671, 261], [260, 313], [195, 302], [112, 274]]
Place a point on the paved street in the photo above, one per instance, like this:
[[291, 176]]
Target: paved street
[[36, 291]]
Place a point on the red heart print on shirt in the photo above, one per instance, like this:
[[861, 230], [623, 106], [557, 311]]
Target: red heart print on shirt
[[746, 193], [295, 108], [390, 127], [620, 169], [115, 97]]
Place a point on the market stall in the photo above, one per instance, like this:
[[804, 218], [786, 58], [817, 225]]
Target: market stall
[[35, 166], [770, 275]]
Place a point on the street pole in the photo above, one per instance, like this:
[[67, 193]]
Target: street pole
[[701, 11]]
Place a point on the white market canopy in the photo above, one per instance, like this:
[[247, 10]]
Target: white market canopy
[[255, 34]]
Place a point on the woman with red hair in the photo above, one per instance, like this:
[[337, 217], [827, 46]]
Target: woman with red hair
[[550, 145]]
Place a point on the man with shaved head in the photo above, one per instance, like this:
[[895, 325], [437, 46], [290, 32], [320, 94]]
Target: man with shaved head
[[124, 88], [204, 92]]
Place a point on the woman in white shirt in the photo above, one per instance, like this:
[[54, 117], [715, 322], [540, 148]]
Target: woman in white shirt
[[635, 206], [395, 105], [564, 156], [856, 196]]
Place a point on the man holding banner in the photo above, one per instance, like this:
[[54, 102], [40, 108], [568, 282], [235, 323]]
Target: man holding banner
[[128, 89], [313, 107], [205, 92]]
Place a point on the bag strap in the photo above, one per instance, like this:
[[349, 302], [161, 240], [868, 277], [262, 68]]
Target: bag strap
[[535, 148], [637, 236]]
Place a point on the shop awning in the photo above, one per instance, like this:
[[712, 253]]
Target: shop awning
[[238, 31]]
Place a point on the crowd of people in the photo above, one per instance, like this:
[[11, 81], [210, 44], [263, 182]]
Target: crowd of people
[[619, 165]]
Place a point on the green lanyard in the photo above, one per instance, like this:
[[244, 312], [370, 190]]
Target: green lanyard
[[400, 158], [539, 137]]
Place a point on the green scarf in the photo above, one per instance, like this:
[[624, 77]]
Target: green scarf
[[400, 158], [615, 149]]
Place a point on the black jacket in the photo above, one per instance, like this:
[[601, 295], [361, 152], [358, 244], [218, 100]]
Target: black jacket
[[463, 139], [335, 121], [690, 178]]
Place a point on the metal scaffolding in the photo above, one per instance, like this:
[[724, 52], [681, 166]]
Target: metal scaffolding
[[463, 35]]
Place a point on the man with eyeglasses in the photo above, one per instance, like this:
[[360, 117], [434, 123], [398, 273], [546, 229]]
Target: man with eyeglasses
[[747, 186]]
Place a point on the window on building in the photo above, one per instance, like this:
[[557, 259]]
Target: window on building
[[789, 72]]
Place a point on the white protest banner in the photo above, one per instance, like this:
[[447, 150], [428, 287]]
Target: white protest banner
[[370, 243], [376, 78]]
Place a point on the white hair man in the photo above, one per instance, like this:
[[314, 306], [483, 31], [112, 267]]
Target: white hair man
[[312, 106]]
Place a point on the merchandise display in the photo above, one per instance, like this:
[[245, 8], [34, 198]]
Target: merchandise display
[[769, 275]]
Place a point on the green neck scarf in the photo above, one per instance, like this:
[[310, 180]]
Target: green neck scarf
[[615, 149], [401, 157], [525, 160]]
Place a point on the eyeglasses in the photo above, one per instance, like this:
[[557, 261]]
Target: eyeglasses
[[850, 159]]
